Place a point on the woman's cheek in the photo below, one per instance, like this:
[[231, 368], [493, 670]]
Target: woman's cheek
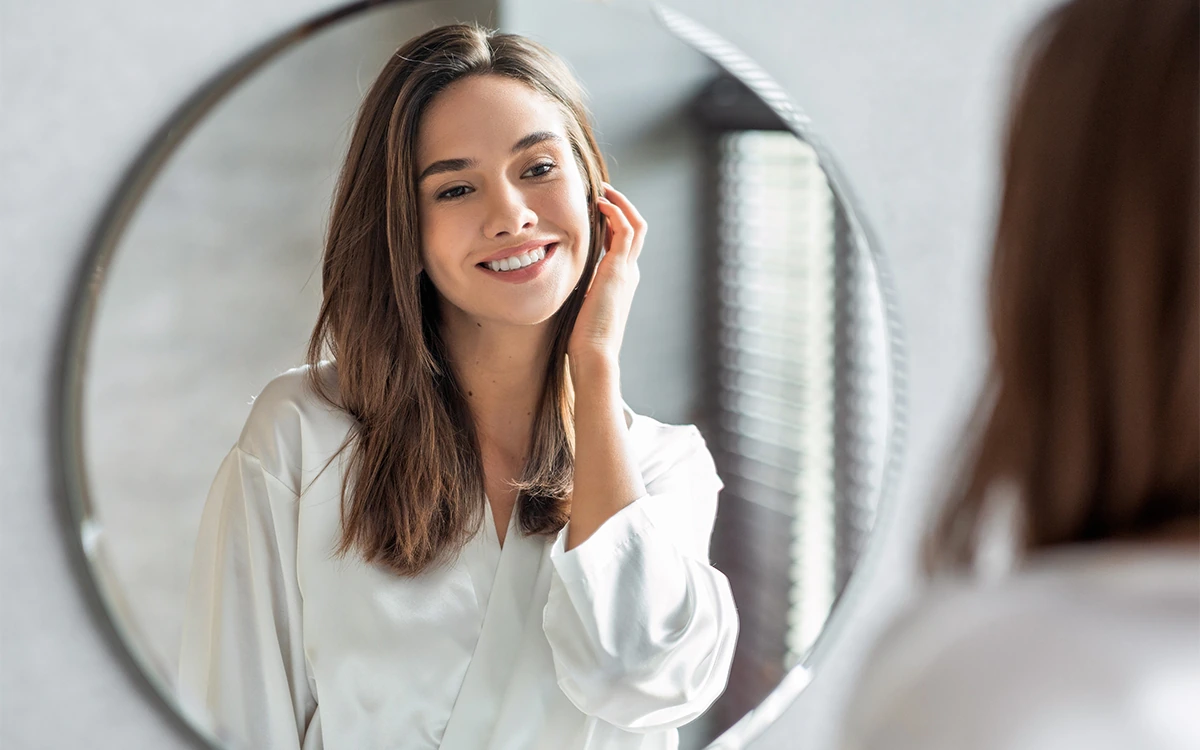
[[439, 236], [572, 208]]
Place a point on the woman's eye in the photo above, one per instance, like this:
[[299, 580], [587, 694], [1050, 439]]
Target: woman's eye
[[454, 192], [540, 170]]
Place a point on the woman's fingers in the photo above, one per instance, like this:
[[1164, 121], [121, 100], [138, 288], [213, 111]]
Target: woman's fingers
[[622, 230], [605, 310], [630, 217], [617, 197]]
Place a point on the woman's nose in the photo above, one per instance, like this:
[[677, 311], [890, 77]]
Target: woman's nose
[[508, 212]]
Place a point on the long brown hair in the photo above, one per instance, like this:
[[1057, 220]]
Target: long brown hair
[[1091, 410], [413, 491]]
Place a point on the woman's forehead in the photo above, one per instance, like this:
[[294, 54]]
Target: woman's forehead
[[482, 117]]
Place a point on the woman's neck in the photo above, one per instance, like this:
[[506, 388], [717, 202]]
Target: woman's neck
[[501, 370]]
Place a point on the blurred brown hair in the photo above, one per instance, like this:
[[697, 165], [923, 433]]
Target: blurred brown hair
[[413, 486], [1091, 409]]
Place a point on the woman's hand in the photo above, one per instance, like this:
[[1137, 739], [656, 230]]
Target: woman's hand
[[600, 327], [606, 471]]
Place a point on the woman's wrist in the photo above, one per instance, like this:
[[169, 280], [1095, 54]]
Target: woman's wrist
[[594, 371]]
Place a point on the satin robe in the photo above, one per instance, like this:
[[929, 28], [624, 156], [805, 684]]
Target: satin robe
[[610, 645]]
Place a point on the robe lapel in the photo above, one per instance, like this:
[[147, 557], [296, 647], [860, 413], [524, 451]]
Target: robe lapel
[[526, 716], [481, 696]]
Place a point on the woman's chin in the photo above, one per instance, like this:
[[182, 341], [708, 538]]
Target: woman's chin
[[521, 310], [530, 319], [523, 317]]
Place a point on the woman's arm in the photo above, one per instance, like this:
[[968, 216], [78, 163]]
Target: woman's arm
[[606, 474], [242, 664], [641, 627]]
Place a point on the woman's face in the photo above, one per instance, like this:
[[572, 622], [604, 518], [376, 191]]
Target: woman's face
[[503, 204]]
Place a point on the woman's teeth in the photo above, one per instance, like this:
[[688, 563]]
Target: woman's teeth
[[518, 261]]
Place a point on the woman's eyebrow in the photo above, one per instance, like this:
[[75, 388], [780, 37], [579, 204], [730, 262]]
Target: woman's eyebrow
[[535, 138], [457, 165], [446, 165]]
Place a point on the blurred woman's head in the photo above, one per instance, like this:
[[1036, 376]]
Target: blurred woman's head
[[1091, 411]]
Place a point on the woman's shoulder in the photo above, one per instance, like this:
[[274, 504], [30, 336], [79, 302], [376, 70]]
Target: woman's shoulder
[[296, 419], [662, 447], [1083, 633], [1057, 588]]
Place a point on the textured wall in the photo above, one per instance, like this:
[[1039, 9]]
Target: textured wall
[[907, 95]]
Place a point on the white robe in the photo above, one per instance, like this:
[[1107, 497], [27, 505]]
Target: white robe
[[610, 645], [1092, 646]]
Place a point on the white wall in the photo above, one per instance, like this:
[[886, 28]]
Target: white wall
[[907, 95]]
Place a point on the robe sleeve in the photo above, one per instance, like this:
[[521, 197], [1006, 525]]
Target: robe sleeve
[[242, 666], [641, 627]]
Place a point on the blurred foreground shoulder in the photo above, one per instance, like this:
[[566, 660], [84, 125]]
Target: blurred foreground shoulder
[[1092, 648]]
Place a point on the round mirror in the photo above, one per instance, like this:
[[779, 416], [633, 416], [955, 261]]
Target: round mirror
[[762, 318]]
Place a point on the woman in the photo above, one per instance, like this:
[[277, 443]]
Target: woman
[[1089, 428], [453, 535]]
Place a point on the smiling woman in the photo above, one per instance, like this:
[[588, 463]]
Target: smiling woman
[[600, 623], [521, 190], [463, 105], [458, 525], [429, 190]]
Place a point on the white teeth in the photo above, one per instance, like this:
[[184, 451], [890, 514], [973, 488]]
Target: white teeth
[[518, 261]]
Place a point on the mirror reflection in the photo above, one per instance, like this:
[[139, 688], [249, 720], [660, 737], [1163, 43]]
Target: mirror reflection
[[368, 469]]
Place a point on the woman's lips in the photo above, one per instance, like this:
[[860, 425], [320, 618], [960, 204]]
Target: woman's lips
[[526, 273]]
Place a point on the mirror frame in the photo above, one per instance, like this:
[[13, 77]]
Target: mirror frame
[[106, 603]]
